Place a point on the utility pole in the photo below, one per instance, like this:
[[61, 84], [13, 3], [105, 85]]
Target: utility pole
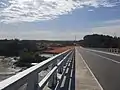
[[115, 35], [75, 38], [75, 41]]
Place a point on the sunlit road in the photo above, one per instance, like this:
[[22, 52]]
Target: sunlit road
[[105, 67]]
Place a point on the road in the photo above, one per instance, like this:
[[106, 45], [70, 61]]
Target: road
[[104, 66]]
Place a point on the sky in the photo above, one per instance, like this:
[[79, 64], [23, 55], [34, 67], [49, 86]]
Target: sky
[[58, 19]]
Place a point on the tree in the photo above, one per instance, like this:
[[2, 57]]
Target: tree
[[100, 41]]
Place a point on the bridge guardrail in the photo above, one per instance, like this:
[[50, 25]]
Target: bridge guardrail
[[30, 76], [112, 50]]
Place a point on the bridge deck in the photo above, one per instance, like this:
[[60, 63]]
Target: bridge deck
[[84, 79]]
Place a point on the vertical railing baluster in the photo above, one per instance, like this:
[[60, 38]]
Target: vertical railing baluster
[[60, 69], [33, 82], [53, 81]]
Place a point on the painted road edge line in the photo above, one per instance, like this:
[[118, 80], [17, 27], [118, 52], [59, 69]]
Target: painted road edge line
[[91, 71], [105, 57], [103, 52]]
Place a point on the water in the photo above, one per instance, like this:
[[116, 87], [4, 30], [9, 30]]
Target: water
[[47, 55], [7, 69]]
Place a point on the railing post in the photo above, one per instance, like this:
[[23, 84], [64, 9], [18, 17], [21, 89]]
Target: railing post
[[53, 81], [33, 82], [60, 69], [117, 50]]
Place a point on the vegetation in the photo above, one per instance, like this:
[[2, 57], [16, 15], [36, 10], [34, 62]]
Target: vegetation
[[26, 58], [100, 41], [29, 50], [25, 49], [14, 47]]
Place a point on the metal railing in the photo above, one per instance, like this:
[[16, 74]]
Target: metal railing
[[112, 50], [30, 76]]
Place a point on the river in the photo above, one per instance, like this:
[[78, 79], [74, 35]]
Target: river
[[7, 68]]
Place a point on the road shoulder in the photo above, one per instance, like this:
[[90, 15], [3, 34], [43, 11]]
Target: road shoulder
[[84, 80]]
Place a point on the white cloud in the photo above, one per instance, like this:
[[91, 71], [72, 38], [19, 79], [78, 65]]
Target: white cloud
[[108, 30], [41, 34], [112, 22], [33, 10], [90, 10]]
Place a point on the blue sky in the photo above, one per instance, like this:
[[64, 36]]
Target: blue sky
[[58, 19]]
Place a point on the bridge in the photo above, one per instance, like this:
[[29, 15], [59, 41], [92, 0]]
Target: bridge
[[75, 69]]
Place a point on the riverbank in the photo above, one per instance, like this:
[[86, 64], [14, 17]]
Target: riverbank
[[7, 68]]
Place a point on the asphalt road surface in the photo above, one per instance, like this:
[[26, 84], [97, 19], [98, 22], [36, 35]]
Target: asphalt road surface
[[105, 67]]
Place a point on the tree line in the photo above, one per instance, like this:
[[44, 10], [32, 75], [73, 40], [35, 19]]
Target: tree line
[[28, 50], [14, 47], [100, 41]]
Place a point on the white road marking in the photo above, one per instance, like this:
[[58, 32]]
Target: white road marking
[[90, 71], [103, 52], [105, 57]]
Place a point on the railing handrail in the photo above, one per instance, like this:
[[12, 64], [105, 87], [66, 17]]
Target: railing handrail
[[47, 77], [21, 78]]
